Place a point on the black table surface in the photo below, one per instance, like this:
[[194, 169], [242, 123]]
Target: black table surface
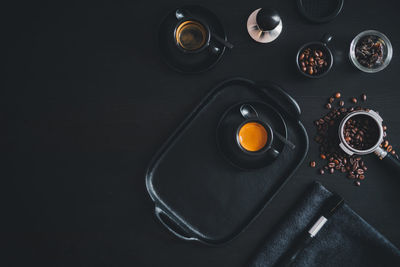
[[87, 102]]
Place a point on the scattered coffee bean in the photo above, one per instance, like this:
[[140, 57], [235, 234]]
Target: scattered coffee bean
[[364, 97], [321, 171], [328, 106], [357, 183], [323, 156], [354, 100], [331, 170], [331, 99], [341, 103], [338, 95], [385, 143], [312, 164]]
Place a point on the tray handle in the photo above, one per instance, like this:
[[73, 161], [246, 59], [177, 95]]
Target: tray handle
[[171, 225], [284, 100]]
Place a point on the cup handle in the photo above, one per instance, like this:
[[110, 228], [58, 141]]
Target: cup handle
[[214, 49], [180, 14], [221, 40], [273, 152], [326, 38], [248, 112]]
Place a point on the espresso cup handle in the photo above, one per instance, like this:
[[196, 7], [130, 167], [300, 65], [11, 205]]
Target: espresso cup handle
[[248, 112], [273, 152], [180, 14], [214, 49]]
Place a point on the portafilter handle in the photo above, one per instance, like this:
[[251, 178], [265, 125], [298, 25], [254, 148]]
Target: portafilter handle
[[388, 158]]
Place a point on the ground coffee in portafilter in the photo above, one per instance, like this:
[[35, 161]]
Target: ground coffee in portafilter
[[360, 134]]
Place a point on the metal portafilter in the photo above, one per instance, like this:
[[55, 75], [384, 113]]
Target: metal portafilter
[[375, 147]]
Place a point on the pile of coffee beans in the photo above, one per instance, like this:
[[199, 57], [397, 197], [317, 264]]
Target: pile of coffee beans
[[312, 61], [336, 160], [369, 51], [361, 132]]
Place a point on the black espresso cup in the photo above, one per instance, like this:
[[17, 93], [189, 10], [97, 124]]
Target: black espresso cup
[[193, 35], [305, 63], [254, 136]]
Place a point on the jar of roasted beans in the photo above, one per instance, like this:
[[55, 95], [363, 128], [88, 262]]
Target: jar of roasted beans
[[371, 51]]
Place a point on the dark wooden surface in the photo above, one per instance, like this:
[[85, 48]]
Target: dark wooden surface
[[87, 102]]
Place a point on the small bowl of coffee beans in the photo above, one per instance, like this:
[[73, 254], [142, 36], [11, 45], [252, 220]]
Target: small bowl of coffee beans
[[315, 59], [370, 51]]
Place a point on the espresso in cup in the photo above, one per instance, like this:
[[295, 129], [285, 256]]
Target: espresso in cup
[[252, 136], [191, 35]]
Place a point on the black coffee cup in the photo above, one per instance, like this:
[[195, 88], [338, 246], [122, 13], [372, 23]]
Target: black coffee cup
[[193, 35], [317, 45], [254, 136]]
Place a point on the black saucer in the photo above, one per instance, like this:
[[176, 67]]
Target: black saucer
[[226, 135], [190, 63]]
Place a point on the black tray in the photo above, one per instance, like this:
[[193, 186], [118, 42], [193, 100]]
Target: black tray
[[198, 194]]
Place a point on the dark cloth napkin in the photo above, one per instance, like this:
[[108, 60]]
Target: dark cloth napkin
[[345, 240]]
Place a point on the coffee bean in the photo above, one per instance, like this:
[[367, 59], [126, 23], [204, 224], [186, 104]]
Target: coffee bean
[[338, 95], [364, 97], [310, 70], [389, 148], [331, 170], [331, 165], [328, 106], [312, 164], [301, 56], [351, 176], [386, 143], [341, 103], [354, 100], [384, 127], [321, 171], [357, 183], [331, 99], [322, 156]]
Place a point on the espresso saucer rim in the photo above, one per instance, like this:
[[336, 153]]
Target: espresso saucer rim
[[178, 67], [241, 165]]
